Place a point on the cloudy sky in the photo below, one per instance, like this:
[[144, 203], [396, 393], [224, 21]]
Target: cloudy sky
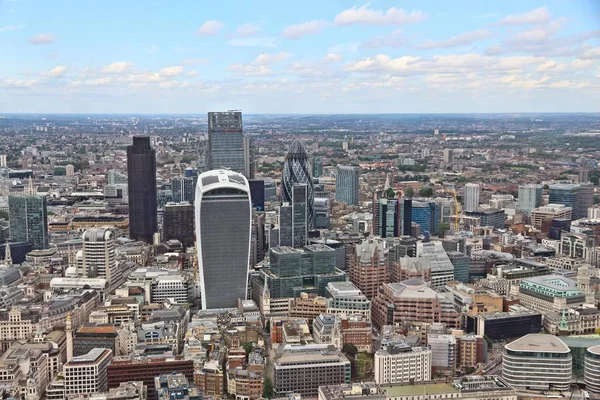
[[292, 56]]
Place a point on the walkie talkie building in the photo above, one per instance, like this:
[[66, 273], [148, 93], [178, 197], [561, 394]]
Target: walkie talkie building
[[223, 232]]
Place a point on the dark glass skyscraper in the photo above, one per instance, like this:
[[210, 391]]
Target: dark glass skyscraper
[[296, 170], [141, 173], [227, 147], [29, 220]]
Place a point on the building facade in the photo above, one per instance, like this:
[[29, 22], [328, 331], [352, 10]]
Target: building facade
[[592, 369], [296, 171], [471, 197], [87, 374], [178, 223], [347, 185], [223, 229], [143, 201], [226, 146], [28, 217], [400, 363]]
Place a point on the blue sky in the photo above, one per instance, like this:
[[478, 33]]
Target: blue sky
[[273, 56]]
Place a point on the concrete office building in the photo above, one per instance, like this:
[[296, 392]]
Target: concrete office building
[[86, 374], [345, 299], [98, 255], [412, 301], [368, 266], [92, 336], [592, 369], [69, 170], [400, 363], [447, 156], [178, 223], [226, 147], [537, 362], [461, 263], [302, 369], [28, 217], [347, 185], [2, 160], [444, 350], [550, 212], [322, 210], [296, 172], [143, 201], [530, 197], [223, 229], [505, 325], [549, 293], [442, 269], [166, 287], [471, 202]]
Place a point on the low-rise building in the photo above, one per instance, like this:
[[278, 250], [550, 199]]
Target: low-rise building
[[398, 363], [550, 293]]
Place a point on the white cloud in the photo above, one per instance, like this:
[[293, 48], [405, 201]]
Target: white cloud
[[257, 41], [394, 39], [250, 69], [17, 83], [210, 28], [9, 28], [266, 58], [118, 67], [538, 16], [43, 38], [192, 73], [57, 71], [298, 31], [458, 40], [92, 82], [171, 71], [195, 61], [333, 57], [591, 53], [363, 15], [247, 30]]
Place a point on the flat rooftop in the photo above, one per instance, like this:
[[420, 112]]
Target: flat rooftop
[[417, 389]]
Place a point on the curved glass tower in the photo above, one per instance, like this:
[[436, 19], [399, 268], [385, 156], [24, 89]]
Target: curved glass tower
[[223, 213], [296, 170]]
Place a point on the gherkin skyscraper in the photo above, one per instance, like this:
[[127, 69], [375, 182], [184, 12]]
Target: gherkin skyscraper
[[297, 170]]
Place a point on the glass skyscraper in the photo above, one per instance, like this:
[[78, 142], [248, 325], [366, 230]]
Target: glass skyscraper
[[300, 215], [29, 220], [143, 202], [296, 170], [580, 197], [227, 147], [346, 184], [223, 231], [184, 188]]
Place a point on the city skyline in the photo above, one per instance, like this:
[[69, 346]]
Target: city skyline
[[379, 57]]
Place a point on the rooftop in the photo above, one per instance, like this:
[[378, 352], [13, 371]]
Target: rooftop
[[556, 282], [427, 388], [537, 342]]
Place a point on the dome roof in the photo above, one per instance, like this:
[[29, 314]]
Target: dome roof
[[297, 148]]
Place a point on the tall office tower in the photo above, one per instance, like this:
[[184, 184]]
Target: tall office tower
[[346, 184], [579, 197], [98, 254], [322, 212], [368, 267], [226, 143], [184, 189], [405, 216], [29, 220], [426, 214], [178, 222], [115, 177], [295, 170], [317, 167], [584, 175], [248, 158], [257, 193], [375, 212], [471, 197], [2, 160], [223, 230], [447, 156], [530, 197], [300, 215], [70, 170], [387, 218], [258, 246], [141, 172], [286, 232]]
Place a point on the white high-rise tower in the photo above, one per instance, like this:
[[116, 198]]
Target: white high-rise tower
[[471, 197]]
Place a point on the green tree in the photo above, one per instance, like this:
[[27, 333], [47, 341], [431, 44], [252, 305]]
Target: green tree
[[426, 191], [390, 193], [247, 347], [409, 192], [268, 391], [59, 171], [443, 227], [350, 350]]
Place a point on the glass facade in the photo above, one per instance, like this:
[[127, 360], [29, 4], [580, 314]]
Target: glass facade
[[143, 200], [295, 171], [184, 189], [300, 215], [223, 220], [226, 141], [346, 184], [29, 220]]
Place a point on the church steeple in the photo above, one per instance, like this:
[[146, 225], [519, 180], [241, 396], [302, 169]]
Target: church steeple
[[7, 255]]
